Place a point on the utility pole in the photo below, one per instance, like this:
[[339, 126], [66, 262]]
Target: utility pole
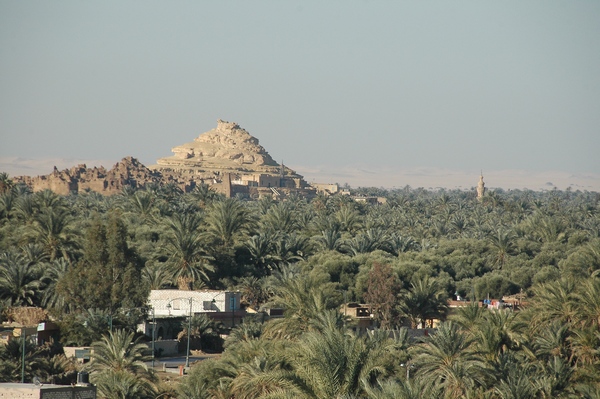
[[23, 356], [232, 306], [153, 335], [189, 332]]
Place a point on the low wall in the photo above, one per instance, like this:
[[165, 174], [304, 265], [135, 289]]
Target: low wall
[[166, 347]]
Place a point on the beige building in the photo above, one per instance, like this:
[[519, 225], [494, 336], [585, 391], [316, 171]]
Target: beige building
[[171, 306], [326, 188], [46, 391]]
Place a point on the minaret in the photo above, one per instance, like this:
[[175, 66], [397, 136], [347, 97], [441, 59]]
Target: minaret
[[480, 187]]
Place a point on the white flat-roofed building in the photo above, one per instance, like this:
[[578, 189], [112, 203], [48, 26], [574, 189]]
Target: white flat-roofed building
[[172, 305], [176, 303]]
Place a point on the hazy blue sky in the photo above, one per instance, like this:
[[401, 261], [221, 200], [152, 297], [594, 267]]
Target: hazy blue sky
[[333, 88]]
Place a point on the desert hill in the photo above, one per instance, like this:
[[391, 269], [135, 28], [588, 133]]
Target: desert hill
[[226, 149]]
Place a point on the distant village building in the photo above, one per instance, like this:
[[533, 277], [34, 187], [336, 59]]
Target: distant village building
[[326, 188]]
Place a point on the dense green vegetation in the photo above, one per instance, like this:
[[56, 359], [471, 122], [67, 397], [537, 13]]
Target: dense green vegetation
[[82, 258]]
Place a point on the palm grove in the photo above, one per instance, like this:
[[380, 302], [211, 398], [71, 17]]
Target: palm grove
[[89, 261]]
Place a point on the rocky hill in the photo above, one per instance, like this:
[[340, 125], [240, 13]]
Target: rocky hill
[[226, 149]]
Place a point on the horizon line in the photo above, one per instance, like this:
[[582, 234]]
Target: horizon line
[[360, 176]]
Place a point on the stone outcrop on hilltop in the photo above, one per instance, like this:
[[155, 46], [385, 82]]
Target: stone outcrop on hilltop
[[227, 148], [129, 172]]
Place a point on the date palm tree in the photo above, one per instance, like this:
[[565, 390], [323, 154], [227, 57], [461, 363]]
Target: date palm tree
[[348, 218], [253, 291], [19, 279], [8, 201], [552, 341], [52, 274], [554, 379], [262, 377], [247, 331], [290, 248], [53, 229], [414, 388], [449, 360], [366, 242], [25, 208], [204, 194], [280, 218], [87, 203], [333, 363], [6, 183], [518, 385], [425, 300], [469, 317], [228, 221], [118, 384], [37, 361], [330, 239], [142, 204], [460, 224], [187, 260], [552, 301], [545, 228], [587, 302], [499, 332], [200, 325], [261, 250], [585, 347], [155, 276], [118, 362], [397, 244], [303, 298], [503, 246]]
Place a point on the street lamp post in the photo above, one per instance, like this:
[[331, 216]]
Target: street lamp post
[[153, 335], [232, 306], [23, 356], [345, 293], [408, 367], [23, 350], [189, 332], [187, 354]]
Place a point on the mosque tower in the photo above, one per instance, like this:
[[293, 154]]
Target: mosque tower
[[480, 187]]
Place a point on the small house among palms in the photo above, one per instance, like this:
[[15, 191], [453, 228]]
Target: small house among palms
[[170, 307], [360, 314]]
